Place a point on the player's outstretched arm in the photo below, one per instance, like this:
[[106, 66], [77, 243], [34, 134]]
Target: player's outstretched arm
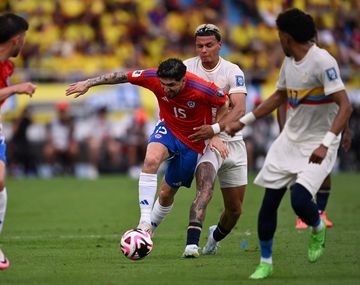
[[21, 88], [81, 87]]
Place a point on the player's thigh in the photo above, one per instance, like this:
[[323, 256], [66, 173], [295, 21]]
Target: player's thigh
[[2, 164], [233, 170], [181, 168], [210, 156], [281, 165], [313, 175]]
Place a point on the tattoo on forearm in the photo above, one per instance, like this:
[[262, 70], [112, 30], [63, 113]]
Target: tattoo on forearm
[[110, 78]]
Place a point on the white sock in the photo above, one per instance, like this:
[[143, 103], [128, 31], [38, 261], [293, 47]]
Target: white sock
[[318, 228], [159, 213], [3, 202], [147, 192], [266, 260]]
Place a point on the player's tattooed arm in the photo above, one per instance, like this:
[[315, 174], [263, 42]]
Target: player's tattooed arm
[[110, 78], [81, 87]]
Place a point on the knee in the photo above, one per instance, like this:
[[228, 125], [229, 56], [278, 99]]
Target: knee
[[234, 212], [299, 197], [151, 163]]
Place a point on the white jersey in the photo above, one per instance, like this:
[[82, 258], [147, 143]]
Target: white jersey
[[308, 83], [225, 75]]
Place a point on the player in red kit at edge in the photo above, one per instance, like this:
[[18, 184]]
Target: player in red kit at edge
[[12, 37]]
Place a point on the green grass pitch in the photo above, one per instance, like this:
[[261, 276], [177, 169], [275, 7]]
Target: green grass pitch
[[66, 231]]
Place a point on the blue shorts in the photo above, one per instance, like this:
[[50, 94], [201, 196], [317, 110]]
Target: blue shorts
[[182, 161], [2, 151]]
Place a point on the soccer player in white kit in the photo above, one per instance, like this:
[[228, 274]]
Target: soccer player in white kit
[[306, 150], [225, 155]]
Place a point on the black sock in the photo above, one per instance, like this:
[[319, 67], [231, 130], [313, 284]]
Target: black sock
[[303, 205], [193, 233], [220, 233], [322, 198]]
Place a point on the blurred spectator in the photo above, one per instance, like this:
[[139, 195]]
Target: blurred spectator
[[258, 137], [61, 148], [136, 141], [101, 143], [22, 159]]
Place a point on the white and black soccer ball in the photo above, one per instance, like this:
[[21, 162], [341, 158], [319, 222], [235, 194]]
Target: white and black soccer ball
[[136, 244]]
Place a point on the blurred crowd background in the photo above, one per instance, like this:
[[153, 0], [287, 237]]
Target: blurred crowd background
[[70, 40]]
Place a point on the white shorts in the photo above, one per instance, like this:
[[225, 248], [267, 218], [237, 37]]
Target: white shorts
[[287, 163], [232, 172]]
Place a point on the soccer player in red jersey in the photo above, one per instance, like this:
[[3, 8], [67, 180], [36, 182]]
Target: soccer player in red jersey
[[12, 36], [185, 102]]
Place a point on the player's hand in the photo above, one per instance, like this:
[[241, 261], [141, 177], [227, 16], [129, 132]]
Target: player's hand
[[346, 139], [216, 144], [318, 154], [204, 132], [77, 88], [232, 128], [24, 88]]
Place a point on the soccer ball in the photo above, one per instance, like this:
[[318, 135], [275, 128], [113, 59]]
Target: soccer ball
[[136, 244]]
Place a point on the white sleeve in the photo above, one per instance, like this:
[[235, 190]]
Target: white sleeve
[[281, 84], [236, 79], [330, 75]]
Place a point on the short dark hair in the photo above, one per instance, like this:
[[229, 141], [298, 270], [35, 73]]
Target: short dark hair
[[11, 25], [297, 24], [208, 30], [172, 68]]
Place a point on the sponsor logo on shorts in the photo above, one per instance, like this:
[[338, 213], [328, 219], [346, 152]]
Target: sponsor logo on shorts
[[177, 184], [158, 136]]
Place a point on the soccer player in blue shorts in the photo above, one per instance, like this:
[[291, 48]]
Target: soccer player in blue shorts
[[185, 102], [12, 37]]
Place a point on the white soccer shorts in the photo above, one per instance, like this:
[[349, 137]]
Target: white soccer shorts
[[232, 172], [287, 163]]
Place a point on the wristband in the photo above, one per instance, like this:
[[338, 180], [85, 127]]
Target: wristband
[[328, 139], [216, 128], [248, 119]]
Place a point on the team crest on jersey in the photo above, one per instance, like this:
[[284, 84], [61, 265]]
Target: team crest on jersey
[[331, 74], [220, 93], [137, 73], [239, 80], [191, 104]]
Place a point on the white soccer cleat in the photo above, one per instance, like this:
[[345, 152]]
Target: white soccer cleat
[[146, 227], [191, 251], [212, 245], [4, 262]]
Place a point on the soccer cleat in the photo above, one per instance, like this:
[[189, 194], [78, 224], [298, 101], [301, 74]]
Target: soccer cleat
[[212, 245], [317, 243], [264, 270], [328, 223], [300, 225], [4, 262], [146, 227], [191, 251]]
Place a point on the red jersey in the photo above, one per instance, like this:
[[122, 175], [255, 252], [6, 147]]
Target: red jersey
[[189, 109], [6, 70]]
